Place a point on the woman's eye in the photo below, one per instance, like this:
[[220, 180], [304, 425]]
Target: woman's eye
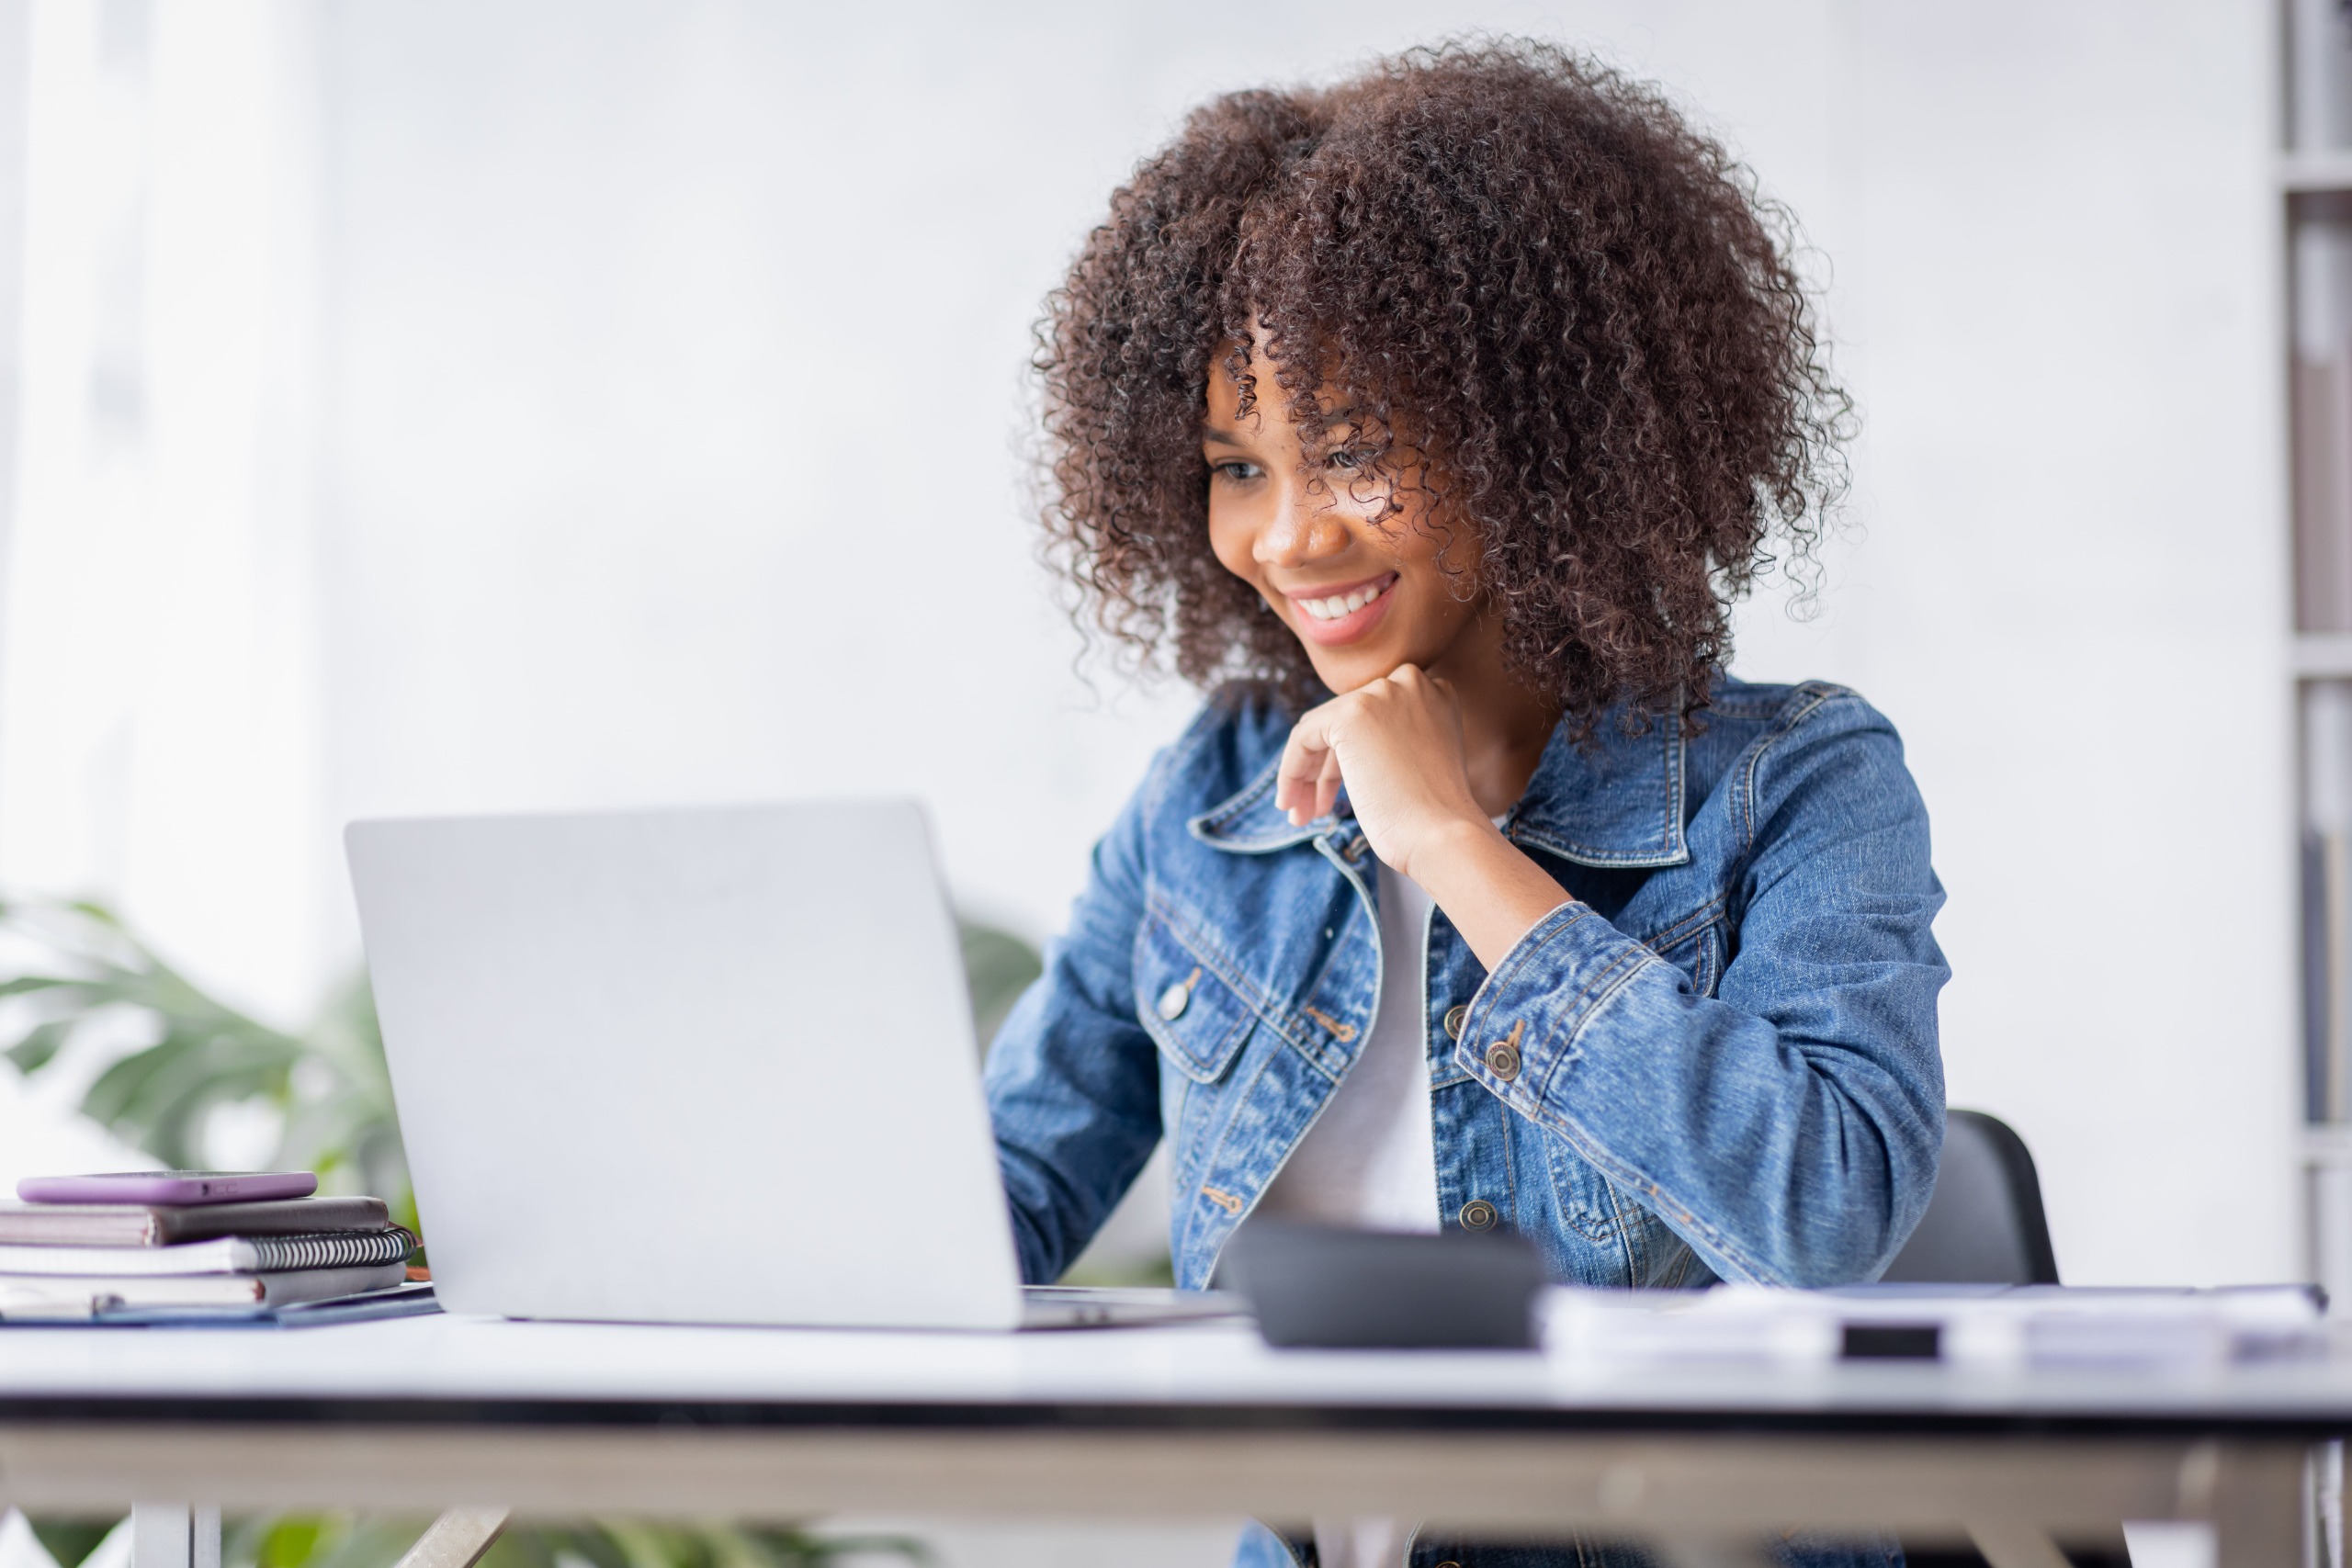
[[1234, 470], [1346, 457]]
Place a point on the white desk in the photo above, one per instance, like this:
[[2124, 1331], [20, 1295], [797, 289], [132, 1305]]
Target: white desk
[[565, 1419]]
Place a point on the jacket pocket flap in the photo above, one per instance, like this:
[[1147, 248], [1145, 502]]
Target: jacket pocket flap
[[1197, 1020]]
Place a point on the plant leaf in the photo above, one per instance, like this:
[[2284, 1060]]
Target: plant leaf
[[40, 1047]]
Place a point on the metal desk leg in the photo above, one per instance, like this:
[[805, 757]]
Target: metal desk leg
[[173, 1535], [2256, 1493], [456, 1539], [2008, 1544], [2323, 1508]]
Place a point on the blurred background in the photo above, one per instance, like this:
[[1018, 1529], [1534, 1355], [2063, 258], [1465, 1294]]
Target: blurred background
[[442, 406]]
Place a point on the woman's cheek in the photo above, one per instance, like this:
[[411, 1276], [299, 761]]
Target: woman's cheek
[[1233, 552]]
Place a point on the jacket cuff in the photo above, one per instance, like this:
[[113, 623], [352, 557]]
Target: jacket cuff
[[1524, 1022]]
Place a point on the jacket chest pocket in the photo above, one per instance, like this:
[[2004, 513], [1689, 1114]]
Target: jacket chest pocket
[[1198, 1021]]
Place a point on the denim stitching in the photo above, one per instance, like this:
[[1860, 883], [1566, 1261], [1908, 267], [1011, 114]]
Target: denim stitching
[[1707, 971], [1215, 820], [1543, 1113], [1676, 933], [1818, 693], [1636, 1254], [1168, 763], [1595, 996], [1246, 799], [1589, 998], [1510, 1178], [1224, 968], [1368, 905], [1219, 1055], [1345, 1033], [1672, 849], [1585, 1144], [1217, 1150], [1202, 947], [1482, 1003], [1598, 1230], [1677, 746]]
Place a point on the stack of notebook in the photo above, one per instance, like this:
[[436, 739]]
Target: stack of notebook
[[89, 1259]]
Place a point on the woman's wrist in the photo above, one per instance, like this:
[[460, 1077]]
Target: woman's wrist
[[1450, 853], [1489, 888]]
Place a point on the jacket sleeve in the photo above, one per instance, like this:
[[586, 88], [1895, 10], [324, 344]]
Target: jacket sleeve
[[1072, 1079], [1789, 1126]]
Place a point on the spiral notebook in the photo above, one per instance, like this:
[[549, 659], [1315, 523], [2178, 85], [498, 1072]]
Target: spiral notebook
[[224, 1255]]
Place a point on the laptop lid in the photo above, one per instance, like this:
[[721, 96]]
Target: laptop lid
[[709, 1066]]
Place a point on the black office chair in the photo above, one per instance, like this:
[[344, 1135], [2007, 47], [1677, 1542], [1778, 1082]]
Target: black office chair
[[1985, 1223], [1985, 1226]]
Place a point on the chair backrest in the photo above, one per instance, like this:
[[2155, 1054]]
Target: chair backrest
[[1985, 1224]]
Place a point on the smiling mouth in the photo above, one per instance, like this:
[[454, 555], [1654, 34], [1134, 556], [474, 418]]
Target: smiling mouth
[[1338, 607]]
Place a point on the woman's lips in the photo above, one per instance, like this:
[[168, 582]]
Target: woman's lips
[[1323, 616]]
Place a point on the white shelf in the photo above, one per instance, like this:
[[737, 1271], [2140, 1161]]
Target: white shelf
[[2309, 174]]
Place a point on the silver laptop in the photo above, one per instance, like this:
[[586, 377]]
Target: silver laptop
[[708, 1065]]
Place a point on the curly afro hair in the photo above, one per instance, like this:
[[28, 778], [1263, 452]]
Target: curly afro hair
[[1500, 254]]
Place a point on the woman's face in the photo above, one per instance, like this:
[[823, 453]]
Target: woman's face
[[1360, 585]]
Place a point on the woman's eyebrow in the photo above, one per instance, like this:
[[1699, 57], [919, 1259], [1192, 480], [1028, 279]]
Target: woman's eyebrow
[[1211, 433]]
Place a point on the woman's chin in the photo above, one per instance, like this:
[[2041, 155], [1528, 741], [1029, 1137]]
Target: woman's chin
[[1344, 669]]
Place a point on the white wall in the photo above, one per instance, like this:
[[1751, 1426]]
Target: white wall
[[158, 659], [678, 367], [670, 371], [2059, 284]]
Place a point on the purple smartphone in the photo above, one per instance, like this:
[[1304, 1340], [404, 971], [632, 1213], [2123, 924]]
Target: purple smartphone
[[168, 1187]]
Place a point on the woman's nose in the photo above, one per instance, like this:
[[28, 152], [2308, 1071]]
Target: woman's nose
[[1300, 529]]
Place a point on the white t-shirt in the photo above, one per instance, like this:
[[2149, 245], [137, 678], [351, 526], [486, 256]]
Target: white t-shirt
[[1370, 1160]]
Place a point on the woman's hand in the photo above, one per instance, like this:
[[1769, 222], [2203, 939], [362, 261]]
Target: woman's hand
[[1396, 744]]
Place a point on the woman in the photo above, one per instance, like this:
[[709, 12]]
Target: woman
[[1433, 421]]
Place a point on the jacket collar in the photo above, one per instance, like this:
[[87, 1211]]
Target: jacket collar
[[1248, 823], [1615, 802]]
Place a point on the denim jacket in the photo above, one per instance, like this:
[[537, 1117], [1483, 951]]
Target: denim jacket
[[1716, 1060]]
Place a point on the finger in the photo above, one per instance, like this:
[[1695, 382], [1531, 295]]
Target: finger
[[1304, 755], [1326, 783], [1289, 766]]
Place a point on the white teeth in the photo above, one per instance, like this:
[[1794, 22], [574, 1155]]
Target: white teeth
[[1341, 604]]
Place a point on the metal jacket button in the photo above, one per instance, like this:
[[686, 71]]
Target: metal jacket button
[[1502, 1060], [1477, 1215], [1455, 1017], [1176, 997]]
